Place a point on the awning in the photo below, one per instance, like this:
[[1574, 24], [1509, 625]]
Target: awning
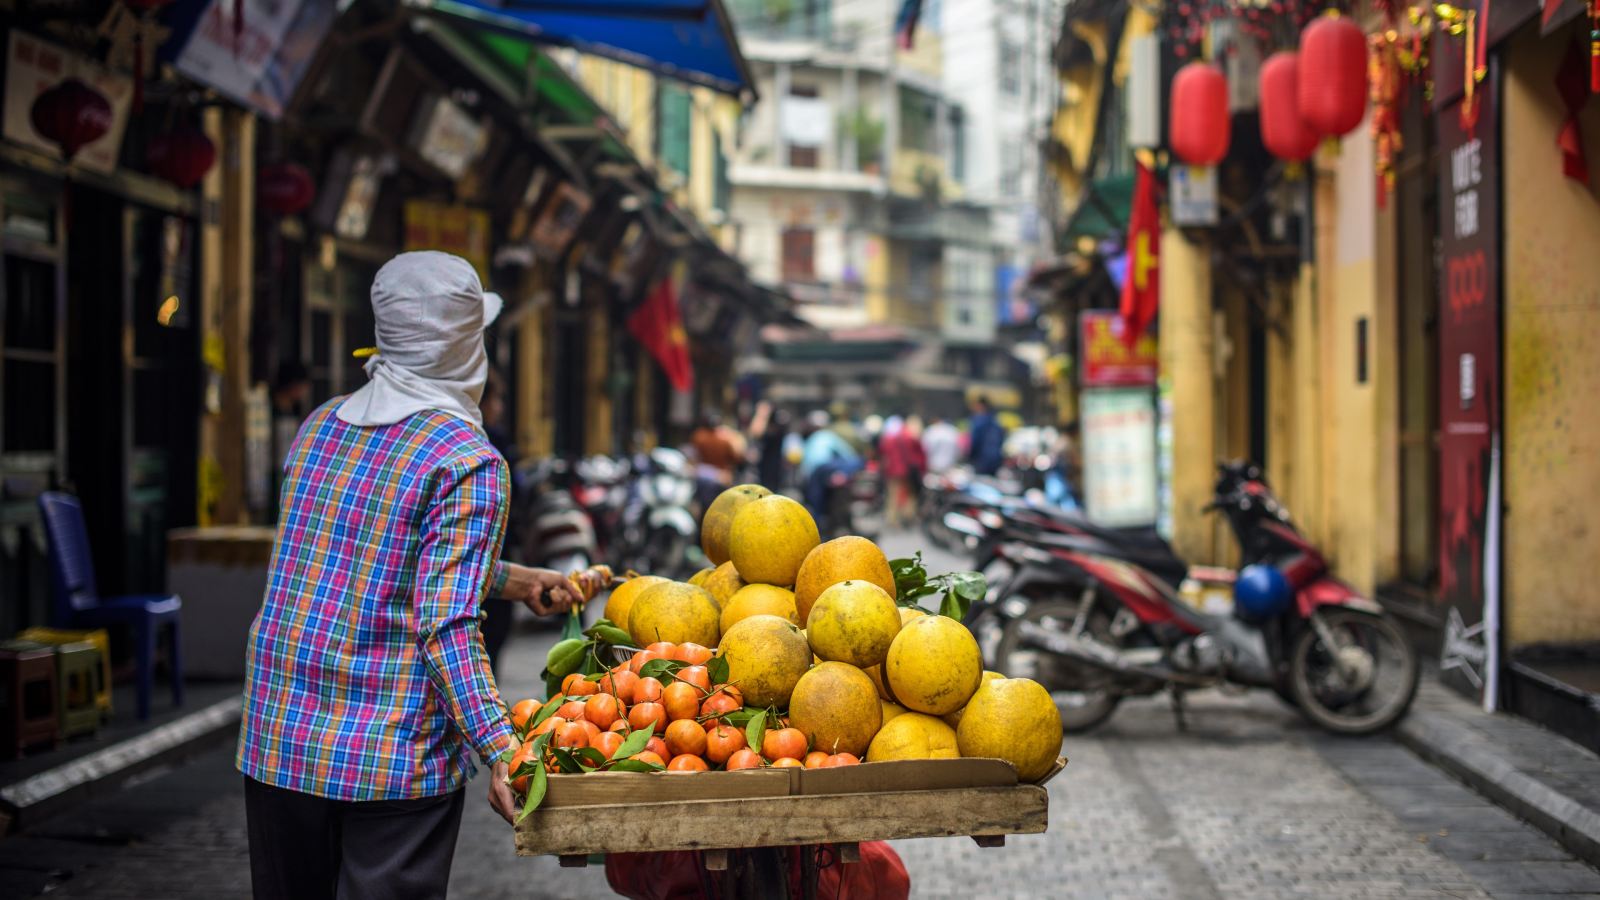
[[1103, 211], [690, 40]]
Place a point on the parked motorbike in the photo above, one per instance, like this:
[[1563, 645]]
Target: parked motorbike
[[855, 503], [1097, 621], [550, 529], [658, 527], [602, 492]]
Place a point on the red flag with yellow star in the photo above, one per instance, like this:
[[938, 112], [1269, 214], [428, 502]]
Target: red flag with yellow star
[[658, 325], [1141, 289]]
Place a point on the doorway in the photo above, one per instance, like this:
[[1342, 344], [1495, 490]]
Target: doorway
[[1416, 209]]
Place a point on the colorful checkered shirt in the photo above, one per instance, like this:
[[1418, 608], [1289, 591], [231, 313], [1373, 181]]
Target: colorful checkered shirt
[[366, 676]]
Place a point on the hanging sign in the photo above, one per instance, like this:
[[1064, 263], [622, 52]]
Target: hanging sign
[[1119, 457], [254, 51], [461, 230], [1106, 360], [33, 67], [1192, 191]]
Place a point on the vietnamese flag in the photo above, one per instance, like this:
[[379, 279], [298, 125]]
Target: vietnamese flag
[[1141, 289], [658, 326]]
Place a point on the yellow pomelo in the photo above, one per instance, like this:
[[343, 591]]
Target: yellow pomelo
[[907, 613], [770, 539], [717, 524], [934, 665], [848, 558], [837, 707], [766, 656], [890, 710], [1013, 719], [913, 736], [620, 603], [674, 612], [698, 579], [853, 622], [758, 600], [723, 584], [954, 719]]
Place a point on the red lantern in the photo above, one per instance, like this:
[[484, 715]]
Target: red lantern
[[1284, 133], [284, 189], [182, 156], [1199, 128], [1333, 75], [71, 114]]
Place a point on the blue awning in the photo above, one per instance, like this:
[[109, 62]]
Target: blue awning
[[690, 40]]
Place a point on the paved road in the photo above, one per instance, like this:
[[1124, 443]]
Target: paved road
[[1249, 802]]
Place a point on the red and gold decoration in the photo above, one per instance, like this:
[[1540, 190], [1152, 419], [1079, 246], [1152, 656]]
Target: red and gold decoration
[[72, 115], [1333, 75], [1200, 126], [284, 189], [1284, 132], [182, 156], [1141, 288], [658, 325]]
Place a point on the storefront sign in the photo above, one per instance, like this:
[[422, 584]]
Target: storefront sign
[[1107, 361], [461, 230], [1469, 379], [558, 222], [449, 137], [1194, 195], [260, 62], [1119, 456], [33, 67]]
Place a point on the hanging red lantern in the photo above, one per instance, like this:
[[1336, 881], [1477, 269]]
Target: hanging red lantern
[[72, 115], [284, 189], [1333, 75], [1284, 133], [182, 156], [1199, 128]]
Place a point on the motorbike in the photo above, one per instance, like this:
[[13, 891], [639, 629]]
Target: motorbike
[[1097, 621], [855, 503], [659, 530], [550, 530], [602, 492]]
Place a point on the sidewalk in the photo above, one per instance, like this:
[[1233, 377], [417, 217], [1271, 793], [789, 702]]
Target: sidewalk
[[1542, 777]]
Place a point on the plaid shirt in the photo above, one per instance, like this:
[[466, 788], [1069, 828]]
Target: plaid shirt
[[366, 676]]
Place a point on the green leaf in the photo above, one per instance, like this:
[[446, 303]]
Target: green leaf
[[546, 711], [717, 668], [662, 670], [573, 627], [610, 634], [633, 743], [634, 765], [908, 575], [536, 790], [970, 586], [741, 717], [565, 760], [756, 730], [953, 607], [590, 755], [552, 684]]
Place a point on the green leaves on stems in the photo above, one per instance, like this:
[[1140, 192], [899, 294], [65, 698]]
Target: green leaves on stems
[[633, 743], [572, 629], [756, 729], [662, 670], [634, 765], [717, 669], [546, 711], [567, 762], [957, 590], [538, 782]]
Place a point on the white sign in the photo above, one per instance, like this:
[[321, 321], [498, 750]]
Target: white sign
[[1119, 456], [33, 67], [261, 62], [806, 121], [450, 138], [1194, 195]]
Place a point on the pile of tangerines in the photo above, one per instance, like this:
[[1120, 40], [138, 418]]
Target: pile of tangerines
[[687, 717]]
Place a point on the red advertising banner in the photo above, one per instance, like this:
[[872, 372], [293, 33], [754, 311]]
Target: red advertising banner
[[1105, 360], [1469, 382]]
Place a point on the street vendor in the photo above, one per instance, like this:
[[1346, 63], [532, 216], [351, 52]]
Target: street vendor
[[368, 690]]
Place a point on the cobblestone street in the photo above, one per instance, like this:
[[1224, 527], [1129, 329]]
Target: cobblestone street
[[1249, 802]]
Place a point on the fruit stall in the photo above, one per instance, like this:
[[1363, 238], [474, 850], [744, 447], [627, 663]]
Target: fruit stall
[[797, 703]]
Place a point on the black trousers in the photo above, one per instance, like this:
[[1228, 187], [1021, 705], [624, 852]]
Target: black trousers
[[304, 847]]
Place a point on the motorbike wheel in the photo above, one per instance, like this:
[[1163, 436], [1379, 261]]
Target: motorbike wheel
[[1363, 685], [1083, 707]]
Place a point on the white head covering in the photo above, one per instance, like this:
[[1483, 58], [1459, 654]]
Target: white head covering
[[430, 311]]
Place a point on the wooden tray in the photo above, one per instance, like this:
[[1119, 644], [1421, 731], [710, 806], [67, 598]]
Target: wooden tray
[[608, 812]]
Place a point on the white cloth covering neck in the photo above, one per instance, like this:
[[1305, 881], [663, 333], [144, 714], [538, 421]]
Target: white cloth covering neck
[[429, 313]]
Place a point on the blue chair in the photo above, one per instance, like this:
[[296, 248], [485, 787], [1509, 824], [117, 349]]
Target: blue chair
[[78, 603]]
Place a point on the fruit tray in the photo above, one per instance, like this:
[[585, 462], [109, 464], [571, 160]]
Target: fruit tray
[[626, 812]]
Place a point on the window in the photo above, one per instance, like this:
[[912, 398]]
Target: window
[[799, 254], [1010, 67], [802, 157], [958, 145], [1010, 167], [917, 127], [805, 126], [720, 187], [672, 126]]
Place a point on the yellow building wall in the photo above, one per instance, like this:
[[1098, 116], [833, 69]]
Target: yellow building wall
[[1187, 325], [628, 95], [1551, 459], [875, 281]]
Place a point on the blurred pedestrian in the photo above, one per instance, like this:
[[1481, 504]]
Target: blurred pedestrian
[[496, 621], [901, 454], [826, 454], [718, 451], [988, 438], [771, 463], [941, 444]]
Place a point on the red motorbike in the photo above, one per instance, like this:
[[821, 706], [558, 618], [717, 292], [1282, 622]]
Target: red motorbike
[[1094, 625]]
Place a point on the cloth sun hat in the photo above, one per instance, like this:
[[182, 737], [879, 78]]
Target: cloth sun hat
[[429, 311]]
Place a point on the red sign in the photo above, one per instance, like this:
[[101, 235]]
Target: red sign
[[1105, 360]]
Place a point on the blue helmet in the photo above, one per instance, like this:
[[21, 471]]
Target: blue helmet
[[1261, 592]]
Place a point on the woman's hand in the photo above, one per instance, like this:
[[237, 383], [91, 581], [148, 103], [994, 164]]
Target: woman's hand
[[544, 591]]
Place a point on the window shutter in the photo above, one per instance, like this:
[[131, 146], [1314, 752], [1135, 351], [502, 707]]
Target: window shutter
[[672, 127]]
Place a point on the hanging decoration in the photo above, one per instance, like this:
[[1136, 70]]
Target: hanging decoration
[[182, 156], [146, 10], [284, 189], [1200, 126], [1573, 87], [71, 115], [1284, 132], [1333, 75], [1384, 86]]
